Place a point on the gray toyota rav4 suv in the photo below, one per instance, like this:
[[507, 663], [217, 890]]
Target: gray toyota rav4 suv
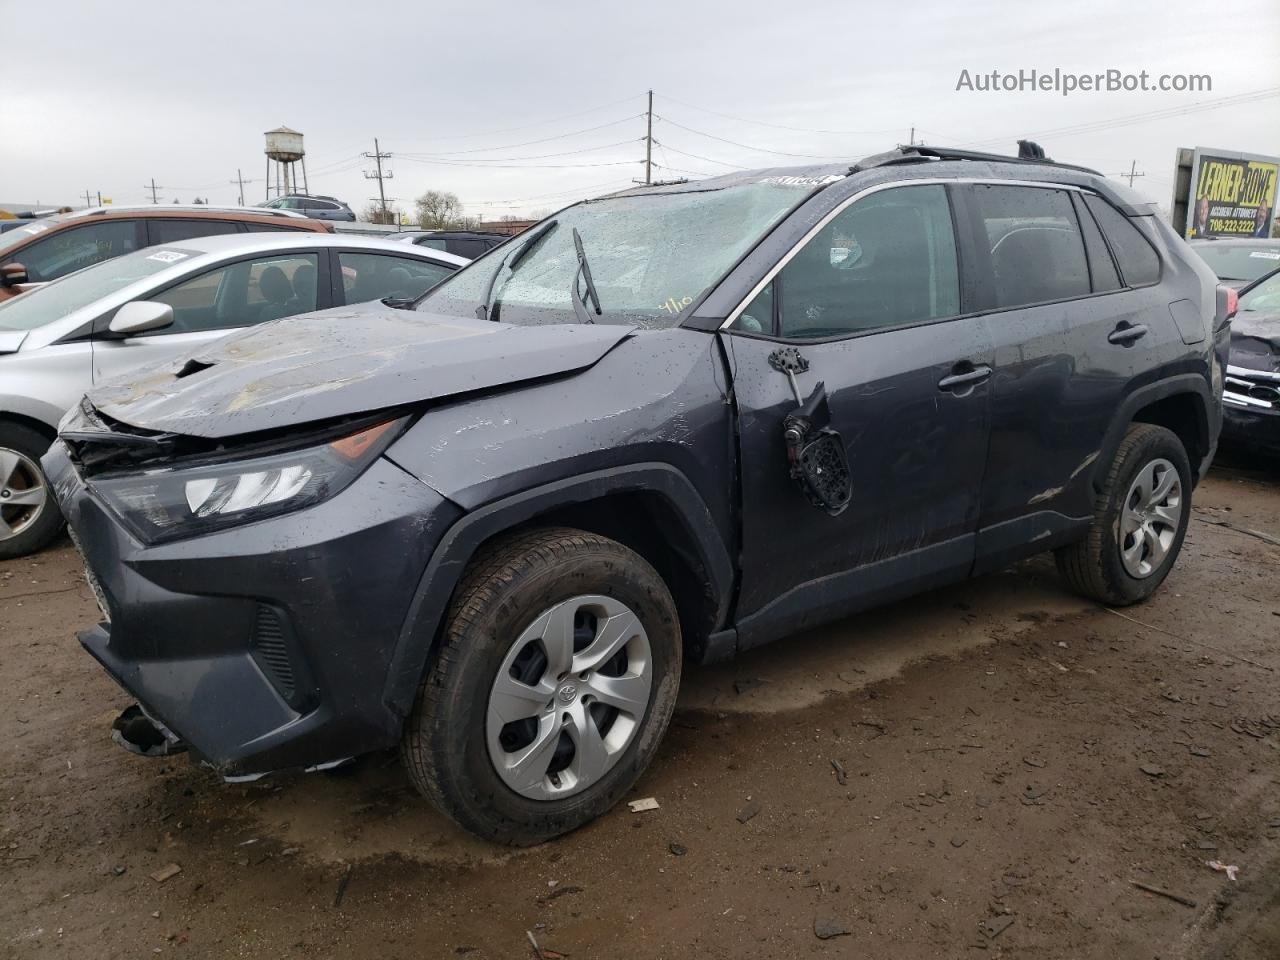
[[663, 426]]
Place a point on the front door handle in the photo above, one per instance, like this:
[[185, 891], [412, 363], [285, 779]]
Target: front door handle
[[966, 376], [1127, 333]]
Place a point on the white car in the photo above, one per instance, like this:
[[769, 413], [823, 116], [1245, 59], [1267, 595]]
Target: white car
[[157, 304]]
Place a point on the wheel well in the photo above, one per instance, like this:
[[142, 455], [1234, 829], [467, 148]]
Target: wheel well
[[31, 423], [648, 524], [1180, 413]]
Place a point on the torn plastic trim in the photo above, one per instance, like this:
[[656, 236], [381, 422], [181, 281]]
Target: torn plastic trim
[[140, 733]]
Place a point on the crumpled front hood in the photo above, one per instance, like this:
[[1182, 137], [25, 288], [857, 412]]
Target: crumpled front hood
[[11, 340], [1255, 341], [340, 362]]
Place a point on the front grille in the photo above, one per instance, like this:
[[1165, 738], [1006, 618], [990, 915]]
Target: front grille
[[1256, 389], [271, 650]]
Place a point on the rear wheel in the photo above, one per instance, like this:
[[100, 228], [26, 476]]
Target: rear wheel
[[29, 515], [1140, 519], [553, 685]]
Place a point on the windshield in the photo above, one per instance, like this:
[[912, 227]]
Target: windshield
[[650, 255], [1240, 262], [1264, 298], [60, 297]]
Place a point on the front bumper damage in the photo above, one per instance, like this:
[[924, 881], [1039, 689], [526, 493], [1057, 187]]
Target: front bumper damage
[[264, 646]]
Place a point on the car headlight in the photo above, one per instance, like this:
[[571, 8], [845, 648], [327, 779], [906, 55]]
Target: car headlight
[[174, 503]]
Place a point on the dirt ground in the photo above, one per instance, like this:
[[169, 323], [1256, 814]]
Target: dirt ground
[[983, 771]]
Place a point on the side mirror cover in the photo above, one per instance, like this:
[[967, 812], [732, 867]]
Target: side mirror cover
[[139, 316]]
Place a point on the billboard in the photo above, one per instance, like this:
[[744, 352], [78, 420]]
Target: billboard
[[1231, 194]]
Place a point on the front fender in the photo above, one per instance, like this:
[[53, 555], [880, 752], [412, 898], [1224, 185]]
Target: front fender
[[451, 556]]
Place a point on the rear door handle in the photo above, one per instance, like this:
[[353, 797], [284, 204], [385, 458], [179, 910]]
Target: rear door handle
[[964, 378], [1127, 333]]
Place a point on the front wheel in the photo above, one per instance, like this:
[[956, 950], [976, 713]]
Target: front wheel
[[553, 685], [29, 515], [1140, 518]]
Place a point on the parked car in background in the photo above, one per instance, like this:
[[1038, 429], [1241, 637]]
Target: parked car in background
[[155, 304], [664, 425], [463, 243], [1251, 400], [314, 206], [1238, 262], [51, 247]]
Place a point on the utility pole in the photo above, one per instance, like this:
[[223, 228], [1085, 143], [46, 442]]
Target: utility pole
[[153, 188], [1131, 175], [648, 143], [240, 181], [88, 198], [377, 157], [911, 140]]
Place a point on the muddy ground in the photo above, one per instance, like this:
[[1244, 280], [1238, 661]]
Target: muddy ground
[[983, 771]]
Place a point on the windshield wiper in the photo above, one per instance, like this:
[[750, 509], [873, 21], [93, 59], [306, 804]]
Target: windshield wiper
[[584, 270], [482, 309]]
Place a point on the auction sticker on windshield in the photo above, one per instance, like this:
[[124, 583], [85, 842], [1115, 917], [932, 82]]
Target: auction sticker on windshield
[[168, 256]]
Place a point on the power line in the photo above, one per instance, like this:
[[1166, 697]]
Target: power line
[[779, 126], [536, 156], [530, 143], [747, 146], [695, 156], [538, 123], [519, 166], [1166, 113]]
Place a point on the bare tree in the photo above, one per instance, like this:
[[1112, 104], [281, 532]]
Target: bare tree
[[373, 213], [438, 210]]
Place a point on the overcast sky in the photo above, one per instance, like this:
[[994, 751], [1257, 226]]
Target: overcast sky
[[105, 96]]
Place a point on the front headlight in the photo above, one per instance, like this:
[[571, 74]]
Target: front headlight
[[171, 504]]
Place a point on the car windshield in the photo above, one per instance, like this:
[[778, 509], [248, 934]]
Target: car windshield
[[651, 255], [60, 297], [1264, 298], [1240, 262]]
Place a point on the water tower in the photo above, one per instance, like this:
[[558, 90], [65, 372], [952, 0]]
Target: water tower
[[284, 146]]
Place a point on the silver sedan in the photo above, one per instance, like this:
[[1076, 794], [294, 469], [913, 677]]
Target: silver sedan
[[157, 304]]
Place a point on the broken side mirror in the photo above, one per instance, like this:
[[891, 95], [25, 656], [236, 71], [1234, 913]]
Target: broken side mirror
[[816, 456], [13, 274]]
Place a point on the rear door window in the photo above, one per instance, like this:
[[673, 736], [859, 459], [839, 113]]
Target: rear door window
[[1037, 252], [171, 231], [374, 276], [66, 251], [1139, 262], [1102, 269]]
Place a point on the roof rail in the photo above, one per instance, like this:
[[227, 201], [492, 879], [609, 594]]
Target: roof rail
[[1028, 152], [188, 208]]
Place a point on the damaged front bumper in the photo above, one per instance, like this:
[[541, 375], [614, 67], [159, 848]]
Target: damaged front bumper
[[264, 646]]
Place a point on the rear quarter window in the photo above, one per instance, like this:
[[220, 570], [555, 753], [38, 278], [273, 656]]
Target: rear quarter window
[[1138, 260]]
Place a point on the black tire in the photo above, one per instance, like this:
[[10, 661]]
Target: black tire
[[505, 589], [1093, 566], [47, 523]]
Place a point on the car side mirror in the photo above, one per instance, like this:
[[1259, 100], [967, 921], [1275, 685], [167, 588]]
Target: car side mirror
[[816, 456], [139, 316], [13, 274]]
